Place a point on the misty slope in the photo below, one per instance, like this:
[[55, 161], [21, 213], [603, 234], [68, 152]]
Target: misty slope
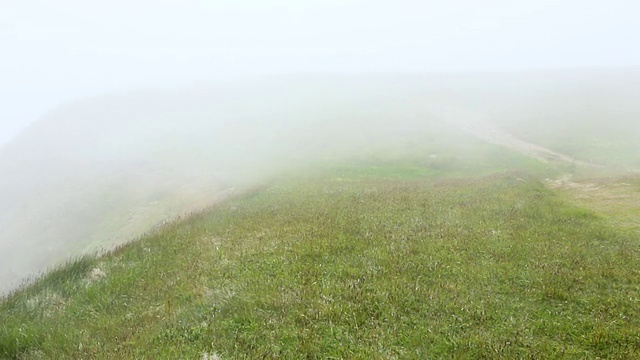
[[351, 263], [102, 171]]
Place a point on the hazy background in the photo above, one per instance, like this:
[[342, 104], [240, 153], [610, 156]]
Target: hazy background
[[56, 51], [115, 116]]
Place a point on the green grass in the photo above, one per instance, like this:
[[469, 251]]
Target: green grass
[[426, 243], [368, 266]]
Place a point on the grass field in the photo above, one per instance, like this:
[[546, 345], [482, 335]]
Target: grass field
[[366, 261]]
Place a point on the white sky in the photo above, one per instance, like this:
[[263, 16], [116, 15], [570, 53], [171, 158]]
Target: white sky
[[55, 51]]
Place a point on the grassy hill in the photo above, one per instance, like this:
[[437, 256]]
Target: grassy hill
[[366, 222], [353, 261], [98, 172]]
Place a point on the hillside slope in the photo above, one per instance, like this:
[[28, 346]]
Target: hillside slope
[[103, 171], [99, 172], [352, 263]]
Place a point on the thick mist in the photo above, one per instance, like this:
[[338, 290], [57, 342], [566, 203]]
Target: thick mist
[[234, 95], [98, 172], [55, 52]]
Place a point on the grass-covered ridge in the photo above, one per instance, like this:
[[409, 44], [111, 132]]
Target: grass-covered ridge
[[343, 266]]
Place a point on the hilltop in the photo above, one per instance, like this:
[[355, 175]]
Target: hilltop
[[367, 217]]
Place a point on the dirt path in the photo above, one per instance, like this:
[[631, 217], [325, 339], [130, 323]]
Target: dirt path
[[490, 132], [616, 198]]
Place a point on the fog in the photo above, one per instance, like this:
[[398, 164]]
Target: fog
[[54, 52], [117, 116]]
